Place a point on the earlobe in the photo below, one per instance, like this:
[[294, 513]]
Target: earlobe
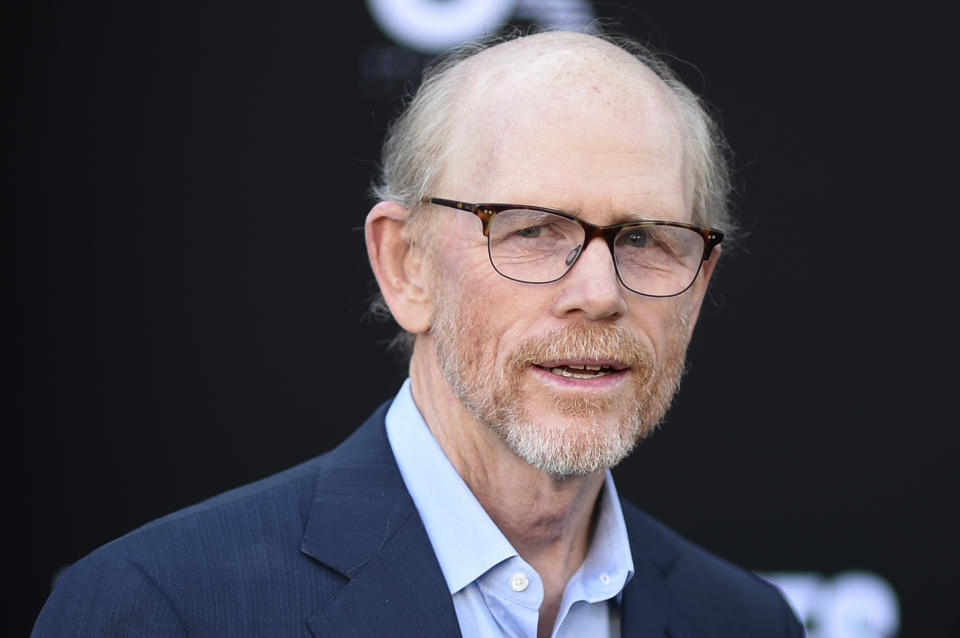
[[398, 266]]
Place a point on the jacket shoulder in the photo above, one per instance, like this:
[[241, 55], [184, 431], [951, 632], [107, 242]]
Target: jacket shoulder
[[234, 564], [165, 577]]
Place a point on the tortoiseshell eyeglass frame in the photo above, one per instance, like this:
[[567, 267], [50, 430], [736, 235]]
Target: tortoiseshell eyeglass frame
[[486, 212]]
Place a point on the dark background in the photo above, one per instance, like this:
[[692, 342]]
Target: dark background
[[183, 190]]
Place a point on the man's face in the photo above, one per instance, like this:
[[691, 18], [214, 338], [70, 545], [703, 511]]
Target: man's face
[[523, 358]]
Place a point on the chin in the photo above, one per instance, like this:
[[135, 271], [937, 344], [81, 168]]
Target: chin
[[573, 440]]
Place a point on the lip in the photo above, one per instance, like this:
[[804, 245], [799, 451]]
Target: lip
[[604, 383], [615, 364]]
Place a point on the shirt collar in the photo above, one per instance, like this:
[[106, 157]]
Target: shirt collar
[[454, 519], [608, 565]]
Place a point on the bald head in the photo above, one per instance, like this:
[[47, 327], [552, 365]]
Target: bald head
[[546, 56], [575, 61], [524, 99]]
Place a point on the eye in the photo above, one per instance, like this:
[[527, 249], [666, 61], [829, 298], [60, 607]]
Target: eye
[[530, 228], [636, 238], [530, 232]]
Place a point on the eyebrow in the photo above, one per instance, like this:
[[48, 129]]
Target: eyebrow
[[624, 217], [619, 216]]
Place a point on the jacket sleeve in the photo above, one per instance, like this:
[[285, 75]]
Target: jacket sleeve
[[107, 595]]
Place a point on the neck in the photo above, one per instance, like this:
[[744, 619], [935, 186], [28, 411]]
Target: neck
[[546, 519]]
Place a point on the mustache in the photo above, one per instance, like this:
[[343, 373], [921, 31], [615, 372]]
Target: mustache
[[601, 343]]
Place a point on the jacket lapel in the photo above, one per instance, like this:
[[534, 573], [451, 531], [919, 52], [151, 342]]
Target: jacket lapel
[[645, 602], [363, 525], [648, 607]]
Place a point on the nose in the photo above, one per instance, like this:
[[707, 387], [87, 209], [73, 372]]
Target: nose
[[591, 287]]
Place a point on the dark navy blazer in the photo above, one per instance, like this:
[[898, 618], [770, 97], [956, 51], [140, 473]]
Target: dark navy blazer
[[335, 547]]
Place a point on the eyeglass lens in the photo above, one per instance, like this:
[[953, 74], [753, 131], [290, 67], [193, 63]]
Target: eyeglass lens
[[540, 247]]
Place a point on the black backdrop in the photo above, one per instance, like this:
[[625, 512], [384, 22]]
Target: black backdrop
[[184, 186]]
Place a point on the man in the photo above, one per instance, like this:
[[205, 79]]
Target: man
[[548, 336]]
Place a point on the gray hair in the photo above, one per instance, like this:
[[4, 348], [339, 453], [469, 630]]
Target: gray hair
[[415, 149]]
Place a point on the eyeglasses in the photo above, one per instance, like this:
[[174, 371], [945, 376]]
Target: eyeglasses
[[537, 245]]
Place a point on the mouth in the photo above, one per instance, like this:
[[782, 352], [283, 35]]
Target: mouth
[[571, 370]]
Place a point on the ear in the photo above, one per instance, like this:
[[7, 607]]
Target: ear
[[700, 288], [398, 266]]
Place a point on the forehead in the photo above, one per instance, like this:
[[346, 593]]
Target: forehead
[[572, 123]]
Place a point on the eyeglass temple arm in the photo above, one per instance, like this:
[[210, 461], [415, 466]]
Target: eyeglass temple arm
[[711, 239], [484, 214]]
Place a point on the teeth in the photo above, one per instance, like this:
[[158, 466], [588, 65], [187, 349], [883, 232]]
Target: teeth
[[594, 372]]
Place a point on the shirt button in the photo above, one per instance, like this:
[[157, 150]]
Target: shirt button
[[519, 582], [604, 578]]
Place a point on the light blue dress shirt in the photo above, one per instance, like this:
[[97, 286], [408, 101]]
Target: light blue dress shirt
[[495, 592]]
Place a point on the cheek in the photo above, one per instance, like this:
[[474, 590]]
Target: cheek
[[496, 315], [460, 266], [658, 323]]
